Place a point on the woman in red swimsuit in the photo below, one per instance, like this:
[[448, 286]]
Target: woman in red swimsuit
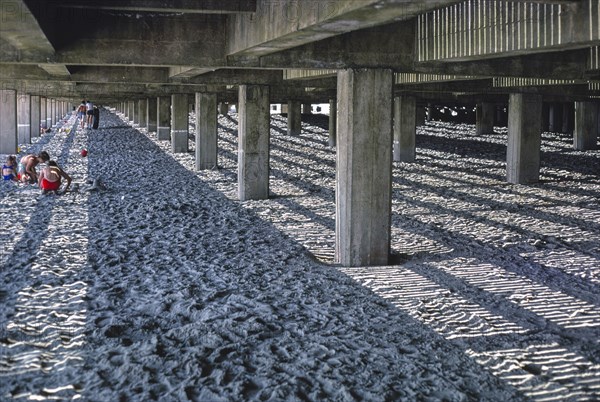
[[51, 177]]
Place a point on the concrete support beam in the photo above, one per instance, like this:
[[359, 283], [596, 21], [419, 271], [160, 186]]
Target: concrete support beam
[[524, 138], [206, 131], [151, 114], [586, 126], [8, 121], [163, 109], [35, 116], [24, 118], [179, 123], [253, 142], [294, 118], [405, 128], [332, 122], [484, 118], [364, 167], [142, 111]]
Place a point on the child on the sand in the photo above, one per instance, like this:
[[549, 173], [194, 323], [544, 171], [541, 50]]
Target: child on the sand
[[26, 168], [9, 169]]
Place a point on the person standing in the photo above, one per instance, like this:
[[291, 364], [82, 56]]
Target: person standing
[[81, 112], [96, 117], [90, 113]]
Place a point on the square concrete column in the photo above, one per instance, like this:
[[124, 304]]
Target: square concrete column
[[568, 117], [48, 113], [364, 167], [43, 111], [24, 118], [332, 122], [524, 138], [224, 108], [151, 114], [8, 122], [131, 111], [586, 126], [35, 115], [306, 108], [405, 128], [179, 123], [294, 118], [163, 107], [253, 142], [206, 131], [142, 112], [484, 117]]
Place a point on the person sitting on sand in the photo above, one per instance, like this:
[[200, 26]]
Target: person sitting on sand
[[51, 178], [9, 169], [26, 169]]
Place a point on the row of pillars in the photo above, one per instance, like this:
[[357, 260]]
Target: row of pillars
[[367, 127], [24, 116]]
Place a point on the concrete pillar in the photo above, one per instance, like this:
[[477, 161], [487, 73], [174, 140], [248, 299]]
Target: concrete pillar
[[568, 117], [306, 108], [524, 138], [48, 113], [284, 108], [332, 122], [364, 167], [253, 142], [43, 112], [24, 118], [555, 117], [421, 115], [586, 126], [151, 114], [405, 128], [224, 108], [294, 118], [8, 122], [179, 123], [484, 118], [35, 115], [142, 111], [163, 109], [131, 112], [206, 131]]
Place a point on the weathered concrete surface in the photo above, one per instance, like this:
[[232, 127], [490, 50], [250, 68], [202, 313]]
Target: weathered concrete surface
[[332, 122], [294, 120], [179, 123], [151, 114], [524, 138], [405, 128], [253, 142], [206, 131], [35, 116], [485, 112], [163, 130], [24, 118], [586, 126], [8, 121], [364, 167]]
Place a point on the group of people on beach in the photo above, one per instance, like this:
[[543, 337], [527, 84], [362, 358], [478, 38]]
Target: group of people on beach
[[89, 114], [49, 179]]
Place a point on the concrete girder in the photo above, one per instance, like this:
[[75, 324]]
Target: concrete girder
[[56, 70], [114, 74], [390, 46], [284, 24], [21, 34], [238, 77], [165, 6]]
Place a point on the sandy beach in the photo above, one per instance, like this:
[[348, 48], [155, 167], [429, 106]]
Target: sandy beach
[[150, 281]]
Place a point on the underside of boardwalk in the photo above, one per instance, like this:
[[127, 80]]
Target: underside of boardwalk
[[434, 236]]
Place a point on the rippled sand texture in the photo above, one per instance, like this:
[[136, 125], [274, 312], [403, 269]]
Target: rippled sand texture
[[162, 286]]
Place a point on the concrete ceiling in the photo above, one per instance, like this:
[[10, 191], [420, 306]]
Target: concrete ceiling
[[108, 49]]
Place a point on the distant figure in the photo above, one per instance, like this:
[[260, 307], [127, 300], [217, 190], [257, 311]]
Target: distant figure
[[96, 118], [51, 178], [81, 112], [26, 168], [90, 113], [9, 169]]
